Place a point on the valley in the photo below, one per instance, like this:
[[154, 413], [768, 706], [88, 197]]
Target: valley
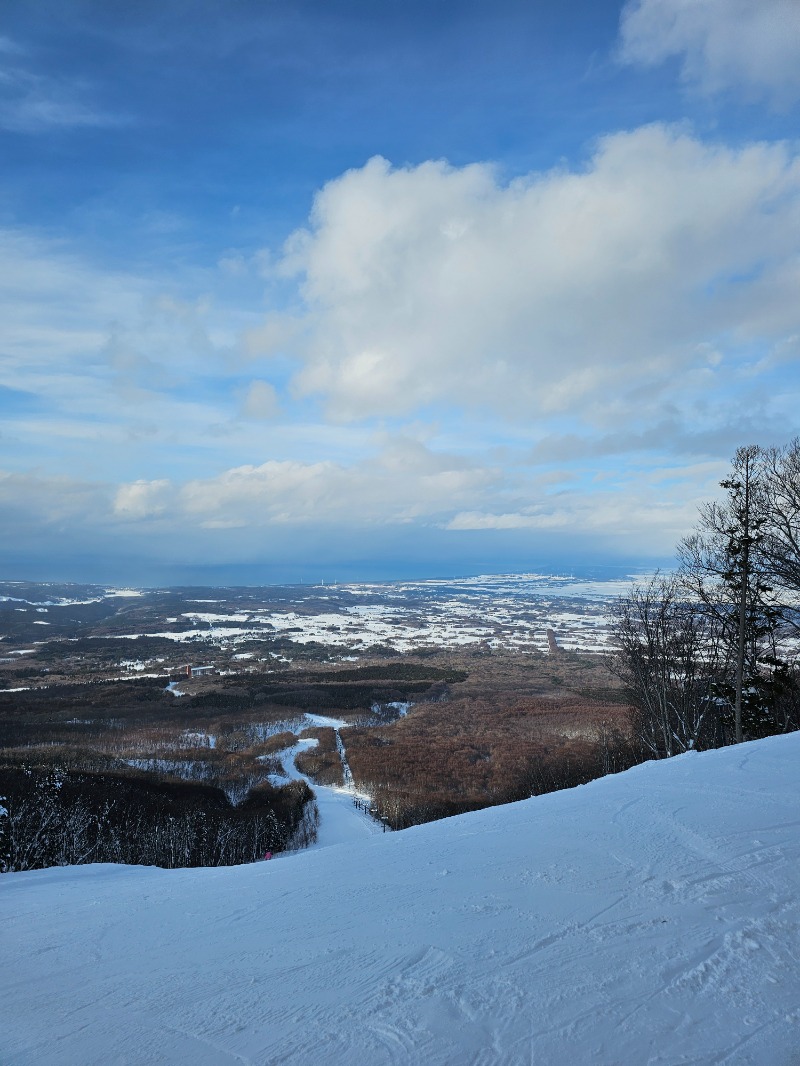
[[420, 700]]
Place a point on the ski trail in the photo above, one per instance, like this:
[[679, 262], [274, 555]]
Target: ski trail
[[340, 820]]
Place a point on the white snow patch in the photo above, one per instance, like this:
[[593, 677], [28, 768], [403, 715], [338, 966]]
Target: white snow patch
[[189, 739], [402, 708], [195, 616], [132, 664], [224, 632], [322, 721]]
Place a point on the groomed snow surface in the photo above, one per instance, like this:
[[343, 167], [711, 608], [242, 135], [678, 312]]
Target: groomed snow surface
[[651, 917], [340, 820]]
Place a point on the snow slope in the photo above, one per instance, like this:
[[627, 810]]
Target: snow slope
[[650, 917]]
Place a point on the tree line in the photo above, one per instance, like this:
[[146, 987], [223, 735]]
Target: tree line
[[709, 653], [55, 817]]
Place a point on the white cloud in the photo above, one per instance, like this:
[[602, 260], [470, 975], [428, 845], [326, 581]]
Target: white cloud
[[61, 309], [646, 298], [142, 499], [404, 486], [749, 45], [276, 333], [484, 520], [63, 313], [113, 357], [57, 308], [404, 481], [260, 402], [553, 293], [408, 484]]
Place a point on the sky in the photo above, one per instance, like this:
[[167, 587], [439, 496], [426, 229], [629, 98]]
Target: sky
[[299, 290]]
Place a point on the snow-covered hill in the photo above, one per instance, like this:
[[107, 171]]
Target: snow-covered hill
[[651, 917]]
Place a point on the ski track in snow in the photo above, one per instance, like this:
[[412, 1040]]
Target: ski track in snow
[[647, 918]]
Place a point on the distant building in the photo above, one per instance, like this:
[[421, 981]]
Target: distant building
[[198, 671]]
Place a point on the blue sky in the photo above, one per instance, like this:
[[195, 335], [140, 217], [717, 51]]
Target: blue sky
[[383, 289]]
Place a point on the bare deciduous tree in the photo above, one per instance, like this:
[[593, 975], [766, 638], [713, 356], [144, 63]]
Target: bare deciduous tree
[[704, 653], [781, 543], [669, 653]]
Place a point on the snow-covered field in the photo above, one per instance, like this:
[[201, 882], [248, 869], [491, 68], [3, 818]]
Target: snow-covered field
[[505, 611], [650, 917]]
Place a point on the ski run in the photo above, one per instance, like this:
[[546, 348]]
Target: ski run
[[340, 820], [649, 917]]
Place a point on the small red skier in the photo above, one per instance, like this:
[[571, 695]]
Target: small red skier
[[267, 855]]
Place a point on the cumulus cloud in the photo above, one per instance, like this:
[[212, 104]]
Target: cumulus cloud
[[552, 293], [643, 303], [276, 333], [484, 520], [402, 489], [404, 482], [749, 45]]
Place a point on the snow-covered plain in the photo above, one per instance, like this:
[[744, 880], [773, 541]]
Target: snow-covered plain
[[511, 611], [651, 917]]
